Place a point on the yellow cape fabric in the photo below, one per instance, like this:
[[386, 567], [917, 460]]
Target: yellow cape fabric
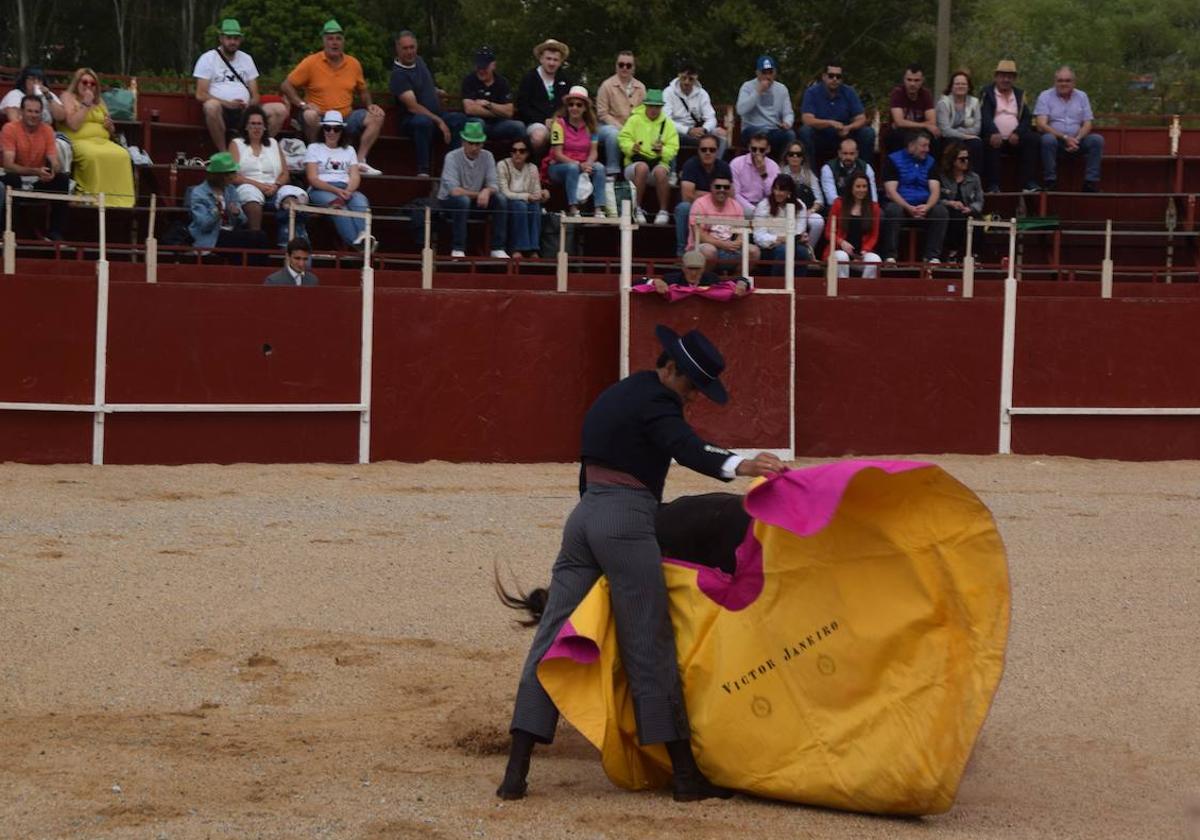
[[858, 679]]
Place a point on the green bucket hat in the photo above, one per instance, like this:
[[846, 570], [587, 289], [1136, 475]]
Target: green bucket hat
[[229, 26], [653, 97], [332, 27], [473, 132], [222, 162]]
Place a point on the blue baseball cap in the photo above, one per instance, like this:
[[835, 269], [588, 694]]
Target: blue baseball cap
[[765, 62]]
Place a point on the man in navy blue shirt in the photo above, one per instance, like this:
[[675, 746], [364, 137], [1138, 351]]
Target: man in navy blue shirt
[[630, 434], [487, 97], [694, 181], [418, 102], [830, 112]]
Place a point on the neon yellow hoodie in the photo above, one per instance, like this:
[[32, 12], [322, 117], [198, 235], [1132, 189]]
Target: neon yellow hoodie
[[640, 127]]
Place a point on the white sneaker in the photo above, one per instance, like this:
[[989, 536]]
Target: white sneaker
[[500, 254], [933, 261], [673, 178], [890, 261], [639, 216], [368, 170], [662, 217], [599, 213], [457, 254]]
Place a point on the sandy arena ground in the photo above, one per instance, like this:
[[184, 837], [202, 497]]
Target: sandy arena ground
[[316, 652]]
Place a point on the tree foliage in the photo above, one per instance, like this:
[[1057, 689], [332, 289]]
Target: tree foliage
[[1108, 42]]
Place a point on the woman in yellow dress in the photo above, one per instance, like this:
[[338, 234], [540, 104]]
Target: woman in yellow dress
[[101, 166]]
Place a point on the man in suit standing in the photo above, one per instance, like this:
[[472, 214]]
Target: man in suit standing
[[630, 434], [295, 270]]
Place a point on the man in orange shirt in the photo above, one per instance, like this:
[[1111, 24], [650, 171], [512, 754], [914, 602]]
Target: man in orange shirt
[[31, 160], [330, 79]]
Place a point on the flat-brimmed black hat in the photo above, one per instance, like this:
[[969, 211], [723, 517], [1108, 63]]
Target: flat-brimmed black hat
[[697, 358]]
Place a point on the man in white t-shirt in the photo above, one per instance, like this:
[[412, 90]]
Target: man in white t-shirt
[[226, 82]]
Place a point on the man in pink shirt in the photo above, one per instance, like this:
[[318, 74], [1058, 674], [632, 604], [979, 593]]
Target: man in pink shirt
[[718, 242], [753, 174], [1006, 127]]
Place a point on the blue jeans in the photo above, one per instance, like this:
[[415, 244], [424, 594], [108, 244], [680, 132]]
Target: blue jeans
[[821, 144], [348, 229], [1091, 147], [682, 210], [607, 135], [568, 174], [779, 254], [421, 128], [777, 137], [503, 130], [460, 207], [524, 225]]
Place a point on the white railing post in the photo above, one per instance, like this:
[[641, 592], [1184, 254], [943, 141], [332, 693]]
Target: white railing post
[[366, 353], [291, 220], [152, 243], [968, 290], [1012, 249], [100, 370], [427, 252], [789, 249], [625, 283], [747, 234], [10, 238], [1006, 359], [1106, 266], [560, 271], [831, 263]]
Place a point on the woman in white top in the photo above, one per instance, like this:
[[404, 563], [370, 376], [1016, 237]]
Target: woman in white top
[[795, 163], [520, 184], [333, 176], [262, 173], [31, 82], [958, 115], [773, 243]]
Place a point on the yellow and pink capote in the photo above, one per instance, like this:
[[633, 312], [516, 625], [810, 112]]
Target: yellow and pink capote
[[848, 662]]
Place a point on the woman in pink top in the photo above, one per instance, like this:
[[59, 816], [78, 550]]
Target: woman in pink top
[[574, 150]]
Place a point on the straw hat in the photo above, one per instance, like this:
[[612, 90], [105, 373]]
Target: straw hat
[[551, 44]]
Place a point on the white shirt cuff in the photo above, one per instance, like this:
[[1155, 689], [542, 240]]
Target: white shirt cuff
[[729, 468]]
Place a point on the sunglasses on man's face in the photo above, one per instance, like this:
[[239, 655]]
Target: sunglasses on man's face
[[331, 129], [708, 150], [719, 187], [625, 65], [760, 149], [519, 150]]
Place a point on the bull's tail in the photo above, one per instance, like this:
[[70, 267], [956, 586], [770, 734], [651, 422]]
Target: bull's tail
[[533, 603]]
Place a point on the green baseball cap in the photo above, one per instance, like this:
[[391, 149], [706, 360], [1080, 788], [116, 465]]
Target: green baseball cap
[[332, 27], [473, 132], [222, 162], [229, 26], [653, 97]]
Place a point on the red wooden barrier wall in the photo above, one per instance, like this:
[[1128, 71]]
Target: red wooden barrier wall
[[507, 375]]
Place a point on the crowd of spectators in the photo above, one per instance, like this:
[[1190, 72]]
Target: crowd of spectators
[[940, 155]]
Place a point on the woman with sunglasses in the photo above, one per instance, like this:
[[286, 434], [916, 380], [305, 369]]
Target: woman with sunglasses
[[331, 167], [520, 184], [808, 187], [773, 243], [857, 227], [962, 195], [574, 150], [101, 166]]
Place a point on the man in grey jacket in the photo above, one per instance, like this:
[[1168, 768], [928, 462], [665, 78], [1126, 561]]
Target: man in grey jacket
[[765, 105], [469, 178], [295, 271]]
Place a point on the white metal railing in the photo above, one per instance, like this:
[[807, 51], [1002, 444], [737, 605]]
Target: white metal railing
[[99, 407]]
